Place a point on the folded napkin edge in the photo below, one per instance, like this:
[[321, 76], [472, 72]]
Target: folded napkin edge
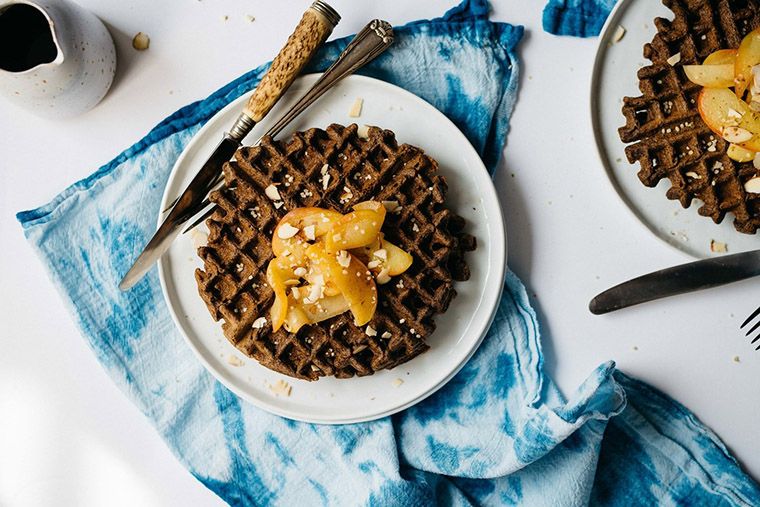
[[717, 477]]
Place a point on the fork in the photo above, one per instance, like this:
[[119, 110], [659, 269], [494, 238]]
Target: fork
[[753, 328]]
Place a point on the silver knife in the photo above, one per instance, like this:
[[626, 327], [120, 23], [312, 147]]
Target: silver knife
[[688, 277], [315, 26]]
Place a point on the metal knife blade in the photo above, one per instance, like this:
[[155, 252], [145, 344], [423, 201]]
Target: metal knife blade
[[182, 211], [689, 277]]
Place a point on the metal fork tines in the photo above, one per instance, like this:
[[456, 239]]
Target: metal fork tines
[[367, 45], [752, 317]]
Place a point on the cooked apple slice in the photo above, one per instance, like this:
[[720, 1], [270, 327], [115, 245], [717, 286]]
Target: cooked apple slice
[[747, 57], [398, 260], [711, 76], [278, 273], [375, 206], [300, 226], [720, 109], [328, 307], [296, 317], [739, 154], [753, 144], [721, 57], [356, 229], [300, 315], [353, 281]]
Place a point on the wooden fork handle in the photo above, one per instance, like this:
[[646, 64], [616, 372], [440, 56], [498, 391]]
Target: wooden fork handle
[[315, 26]]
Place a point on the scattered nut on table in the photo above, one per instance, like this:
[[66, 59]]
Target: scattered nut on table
[[141, 41]]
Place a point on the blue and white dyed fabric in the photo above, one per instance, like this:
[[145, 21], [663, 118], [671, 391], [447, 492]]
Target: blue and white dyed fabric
[[580, 18], [499, 433]]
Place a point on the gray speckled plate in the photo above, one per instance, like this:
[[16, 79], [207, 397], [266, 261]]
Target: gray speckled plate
[[614, 77]]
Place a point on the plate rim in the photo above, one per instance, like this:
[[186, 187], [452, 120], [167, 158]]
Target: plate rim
[[596, 127], [491, 295]]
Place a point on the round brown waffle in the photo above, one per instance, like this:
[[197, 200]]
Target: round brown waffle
[[233, 281], [670, 139]]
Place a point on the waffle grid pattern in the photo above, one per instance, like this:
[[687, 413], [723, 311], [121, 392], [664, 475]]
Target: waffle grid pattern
[[233, 281], [670, 140]]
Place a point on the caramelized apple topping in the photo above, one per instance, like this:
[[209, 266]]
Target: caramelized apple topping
[[734, 114], [327, 263]]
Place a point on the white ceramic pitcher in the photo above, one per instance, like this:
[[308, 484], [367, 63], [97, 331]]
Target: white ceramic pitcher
[[56, 59]]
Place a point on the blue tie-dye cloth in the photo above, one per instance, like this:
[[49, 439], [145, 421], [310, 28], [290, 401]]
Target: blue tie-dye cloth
[[581, 18], [499, 433]]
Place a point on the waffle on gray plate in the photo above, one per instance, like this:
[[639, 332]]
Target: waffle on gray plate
[[669, 139]]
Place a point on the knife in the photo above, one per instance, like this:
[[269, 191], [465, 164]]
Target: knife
[[688, 277], [315, 26]]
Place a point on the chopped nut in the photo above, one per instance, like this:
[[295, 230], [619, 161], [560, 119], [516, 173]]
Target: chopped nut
[[383, 277], [370, 331], [259, 323], [733, 113], [309, 231], [199, 238], [363, 131], [287, 231], [385, 335], [674, 59], [356, 108], [300, 271], [280, 388], [249, 18], [390, 205], [235, 361], [718, 247], [381, 254], [343, 258], [296, 292], [141, 41], [736, 135], [316, 293], [347, 194], [373, 264], [619, 34], [278, 204], [752, 186], [272, 192], [693, 175], [397, 382]]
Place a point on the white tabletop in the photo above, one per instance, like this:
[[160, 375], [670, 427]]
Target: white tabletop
[[69, 437]]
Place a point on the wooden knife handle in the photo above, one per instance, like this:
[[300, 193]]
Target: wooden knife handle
[[313, 29]]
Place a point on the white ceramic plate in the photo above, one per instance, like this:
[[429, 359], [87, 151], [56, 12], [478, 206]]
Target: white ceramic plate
[[614, 77], [459, 331]]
